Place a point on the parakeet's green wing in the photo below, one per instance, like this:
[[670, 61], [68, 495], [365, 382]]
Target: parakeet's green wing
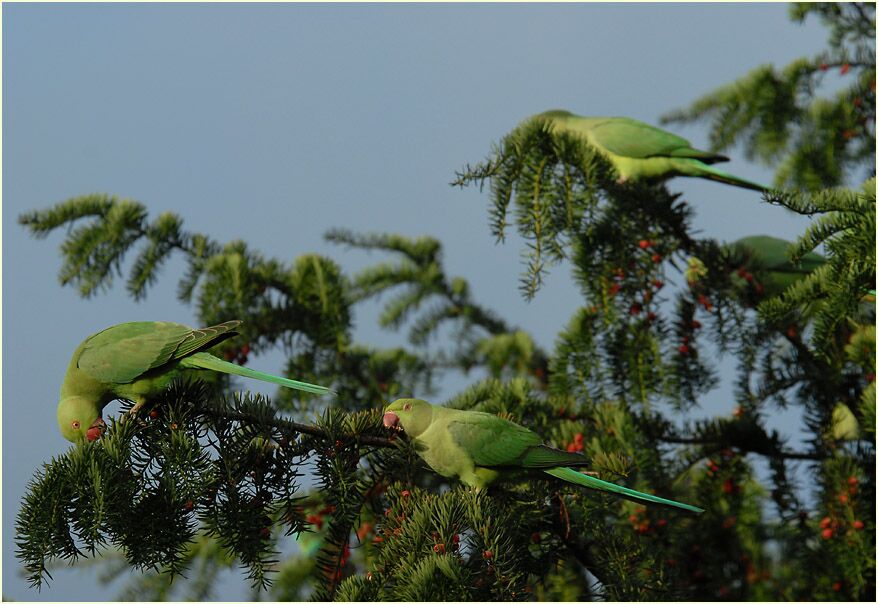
[[491, 440], [632, 138], [124, 352], [771, 252]]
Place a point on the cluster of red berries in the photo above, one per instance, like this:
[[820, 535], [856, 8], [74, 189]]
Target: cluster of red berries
[[747, 276], [345, 554], [317, 518], [684, 348], [642, 524], [576, 446], [238, 356], [646, 244], [439, 546], [830, 525]]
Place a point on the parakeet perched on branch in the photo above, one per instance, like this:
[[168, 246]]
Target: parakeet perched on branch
[[770, 256], [478, 448], [136, 361], [640, 151]]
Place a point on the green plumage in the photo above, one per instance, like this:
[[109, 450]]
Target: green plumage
[[478, 448], [770, 256], [136, 361], [640, 151]]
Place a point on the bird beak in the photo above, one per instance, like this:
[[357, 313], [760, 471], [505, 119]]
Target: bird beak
[[391, 420], [96, 429]]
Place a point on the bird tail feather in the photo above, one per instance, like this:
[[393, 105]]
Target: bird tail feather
[[203, 360], [730, 179], [591, 482]]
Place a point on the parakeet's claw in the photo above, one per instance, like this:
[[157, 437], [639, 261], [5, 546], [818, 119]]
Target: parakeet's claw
[[136, 408]]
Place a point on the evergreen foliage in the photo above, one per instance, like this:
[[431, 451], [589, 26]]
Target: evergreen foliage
[[202, 480], [776, 114]]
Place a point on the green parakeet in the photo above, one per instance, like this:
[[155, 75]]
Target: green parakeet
[[769, 255], [136, 361], [640, 151], [478, 448]]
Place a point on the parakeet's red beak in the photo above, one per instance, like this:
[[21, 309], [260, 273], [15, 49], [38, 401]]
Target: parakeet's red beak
[[96, 429], [391, 420]]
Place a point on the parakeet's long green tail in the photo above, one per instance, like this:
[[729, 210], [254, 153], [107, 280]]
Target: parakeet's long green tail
[[571, 475], [730, 179], [203, 360]]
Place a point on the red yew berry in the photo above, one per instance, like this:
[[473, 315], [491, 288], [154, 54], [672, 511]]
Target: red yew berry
[[658, 283], [614, 289], [730, 521], [853, 481], [439, 548], [844, 69], [245, 349], [378, 539], [827, 533], [488, 554], [188, 505], [741, 272], [738, 412], [728, 487], [705, 302], [577, 438], [455, 538], [643, 243], [825, 522], [635, 309], [684, 349], [843, 498], [153, 414], [656, 258], [858, 525], [651, 316], [792, 332], [824, 67], [661, 523], [536, 537], [406, 493], [696, 324]]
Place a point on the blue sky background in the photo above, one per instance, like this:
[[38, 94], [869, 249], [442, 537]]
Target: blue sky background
[[275, 123]]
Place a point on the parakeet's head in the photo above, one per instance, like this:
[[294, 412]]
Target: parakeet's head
[[410, 414], [79, 419]]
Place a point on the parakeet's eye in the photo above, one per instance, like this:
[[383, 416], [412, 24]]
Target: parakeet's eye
[[75, 425], [407, 407]]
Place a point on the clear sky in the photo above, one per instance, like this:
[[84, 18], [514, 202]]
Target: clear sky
[[275, 123]]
